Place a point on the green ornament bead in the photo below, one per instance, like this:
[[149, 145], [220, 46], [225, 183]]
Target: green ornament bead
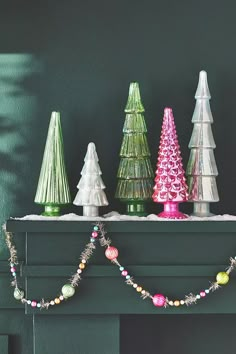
[[222, 278], [18, 294], [67, 290]]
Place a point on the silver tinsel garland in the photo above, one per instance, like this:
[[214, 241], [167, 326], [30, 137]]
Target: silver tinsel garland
[[74, 280], [190, 299]]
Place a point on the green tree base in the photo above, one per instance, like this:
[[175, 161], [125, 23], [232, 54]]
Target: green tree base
[[136, 209], [52, 210]]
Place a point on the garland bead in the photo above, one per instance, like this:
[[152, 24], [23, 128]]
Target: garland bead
[[28, 302], [171, 303], [176, 303], [121, 268], [67, 290], [139, 289], [202, 294], [124, 273], [111, 253], [127, 277], [52, 302], [135, 285], [14, 274], [92, 240], [82, 266], [79, 271], [57, 301], [18, 294], [61, 297], [94, 234], [83, 261], [159, 300], [143, 292], [182, 302], [38, 305], [34, 303], [13, 269], [12, 264], [222, 278], [207, 291], [198, 296], [95, 228]]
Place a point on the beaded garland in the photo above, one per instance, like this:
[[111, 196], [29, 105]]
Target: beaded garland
[[160, 300], [67, 291], [111, 253]]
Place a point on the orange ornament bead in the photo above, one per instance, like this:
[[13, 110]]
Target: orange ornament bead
[[82, 266], [177, 303], [139, 289], [57, 301]]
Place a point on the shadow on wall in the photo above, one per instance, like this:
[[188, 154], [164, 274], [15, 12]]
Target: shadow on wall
[[19, 126]]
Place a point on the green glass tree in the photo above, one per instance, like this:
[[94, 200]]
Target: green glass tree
[[135, 173], [53, 189]]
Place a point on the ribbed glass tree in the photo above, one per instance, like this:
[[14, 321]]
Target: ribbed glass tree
[[201, 168], [90, 187], [53, 189], [170, 188], [135, 174]]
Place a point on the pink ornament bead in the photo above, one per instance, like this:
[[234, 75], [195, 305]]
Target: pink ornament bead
[[94, 234], [159, 300], [13, 269], [111, 253], [33, 303], [124, 273], [202, 294]]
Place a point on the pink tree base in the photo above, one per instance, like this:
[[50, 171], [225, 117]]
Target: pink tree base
[[171, 211]]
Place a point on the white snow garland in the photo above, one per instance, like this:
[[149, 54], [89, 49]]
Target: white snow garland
[[115, 216]]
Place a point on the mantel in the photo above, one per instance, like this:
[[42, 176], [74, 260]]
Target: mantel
[[16, 225], [173, 258]]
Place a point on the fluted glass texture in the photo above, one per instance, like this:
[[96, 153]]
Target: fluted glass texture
[[203, 189], [135, 173], [53, 187], [90, 186], [201, 168]]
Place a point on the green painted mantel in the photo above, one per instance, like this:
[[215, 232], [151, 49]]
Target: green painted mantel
[[174, 258]]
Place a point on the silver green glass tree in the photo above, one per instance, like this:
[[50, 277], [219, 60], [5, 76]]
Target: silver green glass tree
[[201, 168], [53, 188], [135, 173]]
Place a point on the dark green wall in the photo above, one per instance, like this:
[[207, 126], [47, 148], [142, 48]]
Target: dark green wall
[[79, 57]]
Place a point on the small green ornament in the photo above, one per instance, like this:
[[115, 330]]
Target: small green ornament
[[67, 290], [18, 294], [222, 278]]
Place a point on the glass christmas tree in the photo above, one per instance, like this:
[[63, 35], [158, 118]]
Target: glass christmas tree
[[53, 189], [201, 169], [170, 188], [90, 187], [135, 172]]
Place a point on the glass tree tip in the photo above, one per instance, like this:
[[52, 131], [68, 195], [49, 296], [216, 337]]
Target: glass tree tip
[[202, 88], [168, 112], [134, 103]]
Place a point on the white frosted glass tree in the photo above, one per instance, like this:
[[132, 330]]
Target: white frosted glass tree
[[201, 168], [90, 193]]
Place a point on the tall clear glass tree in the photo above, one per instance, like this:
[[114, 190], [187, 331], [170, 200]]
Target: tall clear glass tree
[[53, 188], [201, 168], [135, 173]]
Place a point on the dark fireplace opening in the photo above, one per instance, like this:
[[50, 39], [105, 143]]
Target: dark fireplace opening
[[178, 334]]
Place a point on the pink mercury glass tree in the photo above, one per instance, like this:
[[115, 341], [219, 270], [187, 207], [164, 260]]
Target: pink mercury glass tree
[[170, 188]]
